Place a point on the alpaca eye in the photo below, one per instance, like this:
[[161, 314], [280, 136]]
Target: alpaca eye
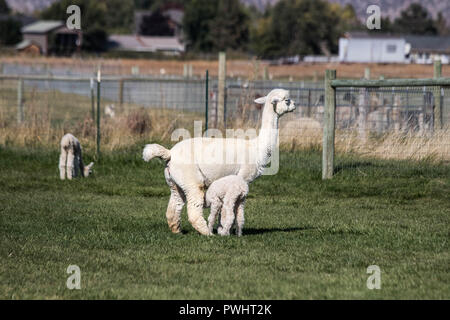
[[288, 101]]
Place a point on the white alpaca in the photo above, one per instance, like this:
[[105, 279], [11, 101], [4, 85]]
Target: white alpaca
[[193, 164], [70, 160], [227, 195], [110, 110]]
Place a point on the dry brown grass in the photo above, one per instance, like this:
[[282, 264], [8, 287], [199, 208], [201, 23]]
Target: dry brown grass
[[247, 69], [305, 134], [49, 115], [139, 125]]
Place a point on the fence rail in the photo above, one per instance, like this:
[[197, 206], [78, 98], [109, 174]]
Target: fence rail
[[344, 83], [331, 89], [364, 111]]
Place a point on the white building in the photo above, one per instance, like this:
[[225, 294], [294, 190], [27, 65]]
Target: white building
[[365, 48], [381, 48]]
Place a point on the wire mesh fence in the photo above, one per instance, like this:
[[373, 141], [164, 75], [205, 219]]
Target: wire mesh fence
[[40, 110], [383, 122], [395, 123]]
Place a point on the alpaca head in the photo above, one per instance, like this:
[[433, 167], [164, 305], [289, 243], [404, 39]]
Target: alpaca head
[[88, 169], [279, 99]]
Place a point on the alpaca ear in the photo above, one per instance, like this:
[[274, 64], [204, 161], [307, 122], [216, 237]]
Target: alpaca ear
[[261, 100], [90, 165]]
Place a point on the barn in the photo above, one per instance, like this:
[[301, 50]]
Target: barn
[[50, 37]]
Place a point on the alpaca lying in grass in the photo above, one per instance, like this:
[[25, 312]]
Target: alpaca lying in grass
[[227, 195], [70, 160], [193, 164]]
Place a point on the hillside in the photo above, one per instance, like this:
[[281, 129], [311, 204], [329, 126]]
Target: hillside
[[391, 8]]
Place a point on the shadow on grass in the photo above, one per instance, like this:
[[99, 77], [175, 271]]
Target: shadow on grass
[[250, 231], [253, 231], [352, 165]]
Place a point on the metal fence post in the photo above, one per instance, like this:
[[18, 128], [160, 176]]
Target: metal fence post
[[92, 100], [308, 110], [206, 102], [20, 99], [121, 92], [437, 96], [221, 95], [98, 112], [329, 126]]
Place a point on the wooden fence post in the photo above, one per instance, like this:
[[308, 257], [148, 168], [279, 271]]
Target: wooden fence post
[[362, 108], [266, 73], [367, 73], [329, 126], [20, 91], [437, 96], [221, 95]]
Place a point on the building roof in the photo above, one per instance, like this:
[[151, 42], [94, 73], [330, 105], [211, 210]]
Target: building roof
[[176, 15], [145, 43], [42, 26], [374, 35], [419, 43], [429, 43]]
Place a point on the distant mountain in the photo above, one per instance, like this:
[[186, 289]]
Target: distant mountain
[[391, 8], [29, 6], [260, 4]]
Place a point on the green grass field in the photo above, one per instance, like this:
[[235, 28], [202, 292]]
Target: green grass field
[[303, 239]]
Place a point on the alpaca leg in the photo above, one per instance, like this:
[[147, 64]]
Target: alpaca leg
[[70, 164], [173, 213], [227, 220], [62, 164], [195, 199], [76, 166], [215, 209], [240, 218], [176, 204], [80, 165]]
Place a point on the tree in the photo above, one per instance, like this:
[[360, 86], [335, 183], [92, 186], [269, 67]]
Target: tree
[[441, 25], [10, 33], [10, 28], [416, 20], [120, 16], [300, 27], [4, 9], [230, 28], [156, 24], [216, 25], [196, 22]]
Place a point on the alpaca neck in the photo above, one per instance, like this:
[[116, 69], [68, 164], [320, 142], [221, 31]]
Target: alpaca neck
[[268, 134]]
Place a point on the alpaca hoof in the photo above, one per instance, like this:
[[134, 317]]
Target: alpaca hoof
[[222, 232], [175, 230]]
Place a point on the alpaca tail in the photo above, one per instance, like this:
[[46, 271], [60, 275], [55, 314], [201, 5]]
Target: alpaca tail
[[155, 150]]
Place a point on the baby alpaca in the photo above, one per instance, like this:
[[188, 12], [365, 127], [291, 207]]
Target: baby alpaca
[[70, 160], [227, 195]]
